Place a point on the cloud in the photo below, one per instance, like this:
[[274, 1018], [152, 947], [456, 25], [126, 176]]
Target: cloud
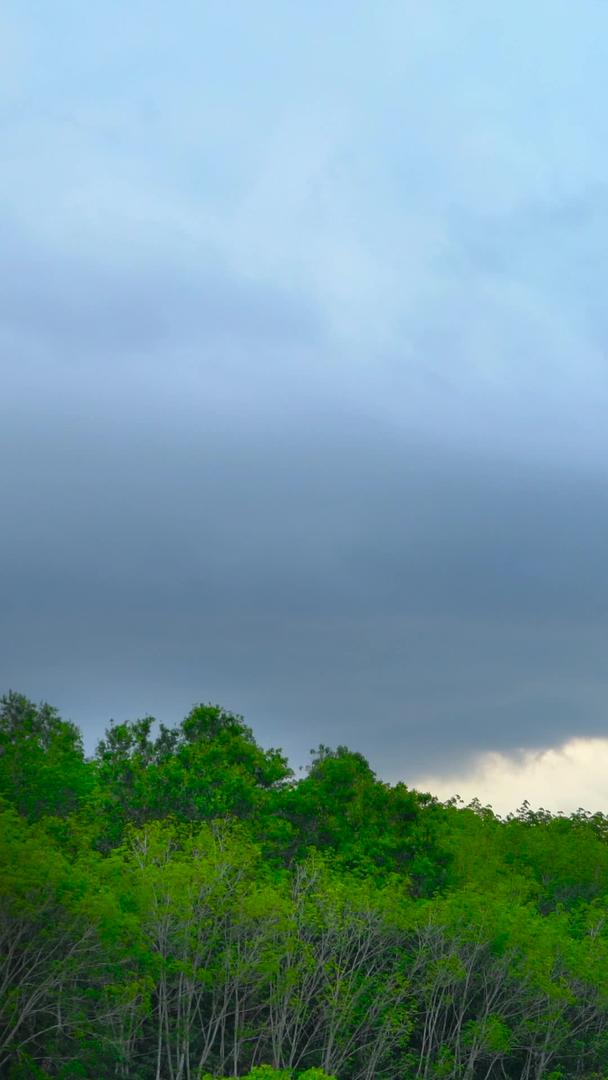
[[565, 777], [303, 366]]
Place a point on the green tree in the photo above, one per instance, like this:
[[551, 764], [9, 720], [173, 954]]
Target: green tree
[[68, 961], [42, 766], [208, 767], [341, 806]]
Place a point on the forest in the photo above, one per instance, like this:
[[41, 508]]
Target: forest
[[180, 906]]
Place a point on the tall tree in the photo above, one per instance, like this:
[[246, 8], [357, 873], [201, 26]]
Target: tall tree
[[42, 766]]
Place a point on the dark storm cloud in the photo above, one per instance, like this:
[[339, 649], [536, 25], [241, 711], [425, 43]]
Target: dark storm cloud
[[303, 377], [256, 540], [333, 585]]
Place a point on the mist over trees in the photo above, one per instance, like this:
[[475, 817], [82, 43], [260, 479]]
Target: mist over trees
[[181, 907]]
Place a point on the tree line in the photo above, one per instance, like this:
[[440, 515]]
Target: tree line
[[181, 907]]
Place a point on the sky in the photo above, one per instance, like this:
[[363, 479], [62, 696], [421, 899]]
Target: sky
[[304, 377]]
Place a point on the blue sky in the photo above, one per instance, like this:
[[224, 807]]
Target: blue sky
[[303, 344]]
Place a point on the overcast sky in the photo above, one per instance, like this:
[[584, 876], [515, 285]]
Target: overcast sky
[[304, 395]]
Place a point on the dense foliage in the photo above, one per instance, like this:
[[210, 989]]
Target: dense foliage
[[181, 908]]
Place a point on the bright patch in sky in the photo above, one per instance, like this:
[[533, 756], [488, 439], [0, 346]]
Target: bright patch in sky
[[564, 777]]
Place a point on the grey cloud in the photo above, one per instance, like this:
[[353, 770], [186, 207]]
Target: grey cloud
[[413, 695], [303, 393], [236, 522], [343, 586], [77, 306], [324, 521]]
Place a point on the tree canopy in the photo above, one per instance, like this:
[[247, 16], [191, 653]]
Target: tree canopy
[[181, 906]]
